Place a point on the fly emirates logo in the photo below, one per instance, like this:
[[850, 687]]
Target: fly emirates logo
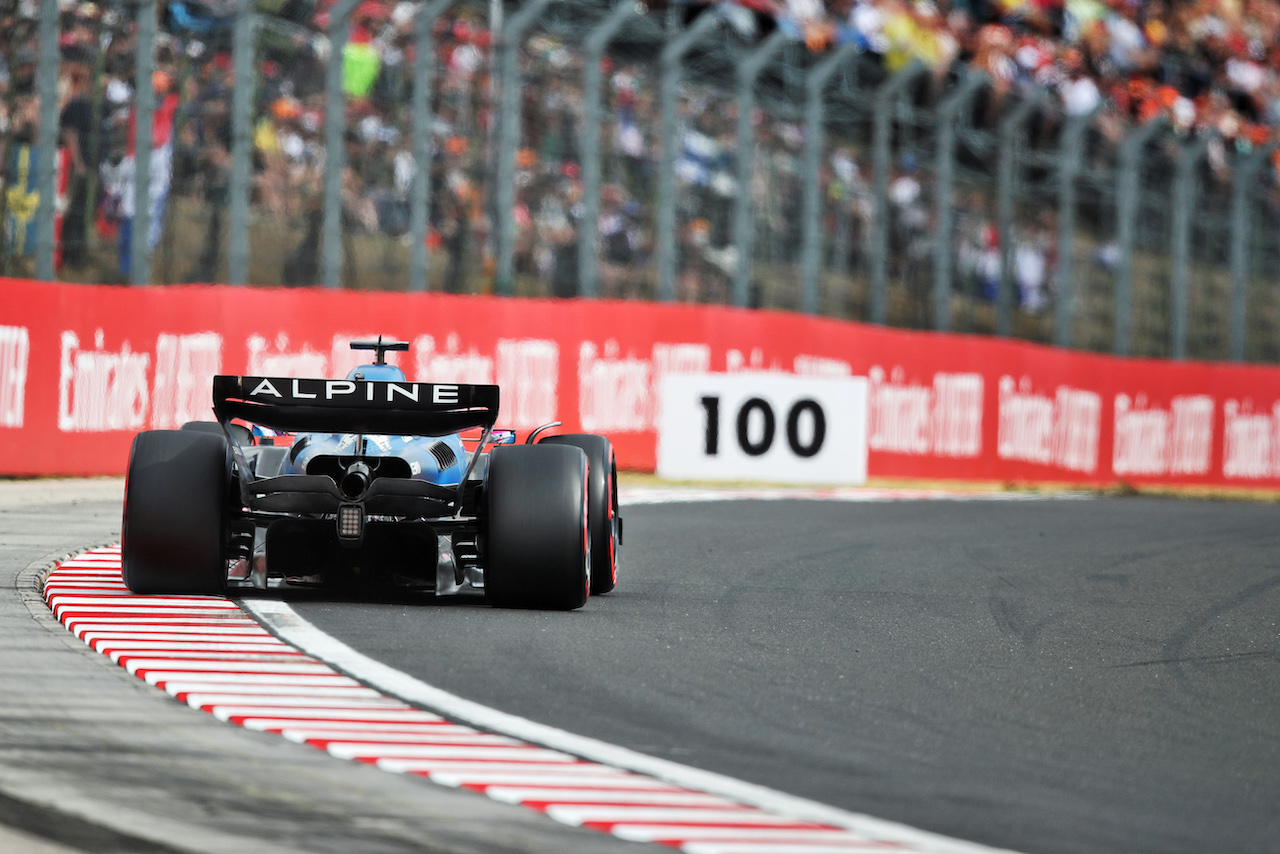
[[100, 389], [1062, 430], [1151, 440], [942, 419], [15, 349], [1250, 440]]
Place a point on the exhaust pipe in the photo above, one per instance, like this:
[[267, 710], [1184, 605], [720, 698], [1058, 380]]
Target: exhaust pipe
[[355, 480]]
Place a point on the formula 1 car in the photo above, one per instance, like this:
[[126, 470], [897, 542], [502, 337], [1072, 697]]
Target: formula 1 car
[[366, 482]]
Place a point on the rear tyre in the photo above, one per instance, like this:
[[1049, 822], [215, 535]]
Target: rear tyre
[[602, 505], [536, 528], [243, 434], [176, 513]]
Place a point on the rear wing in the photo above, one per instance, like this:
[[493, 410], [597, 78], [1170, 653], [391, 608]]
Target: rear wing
[[355, 406]]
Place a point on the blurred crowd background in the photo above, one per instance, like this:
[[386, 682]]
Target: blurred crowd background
[[1209, 70]]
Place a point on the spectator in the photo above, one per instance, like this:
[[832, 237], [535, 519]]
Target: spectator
[[21, 182], [1031, 265], [1203, 65], [75, 127], [619, 243]]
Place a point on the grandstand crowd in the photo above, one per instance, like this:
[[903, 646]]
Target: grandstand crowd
[[1206, 66]]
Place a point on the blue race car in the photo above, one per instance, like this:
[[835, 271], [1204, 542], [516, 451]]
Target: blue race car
[[367, 483]]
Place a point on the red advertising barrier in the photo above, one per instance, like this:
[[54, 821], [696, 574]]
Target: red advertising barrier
[[82, 368]]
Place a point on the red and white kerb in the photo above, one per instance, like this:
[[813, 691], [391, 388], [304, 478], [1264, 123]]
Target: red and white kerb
[[207, 653]]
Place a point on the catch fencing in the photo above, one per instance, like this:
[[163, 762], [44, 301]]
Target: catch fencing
[[578, 148]]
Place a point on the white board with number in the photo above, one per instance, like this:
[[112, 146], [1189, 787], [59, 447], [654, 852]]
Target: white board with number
[[772, 427]]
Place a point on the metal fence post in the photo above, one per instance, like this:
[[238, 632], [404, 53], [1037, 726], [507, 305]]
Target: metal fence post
[[1184, 197], [1128, 187], [815, 136], [744, 157], [1068, 168], [597, 40], [1241, 186], [242, 54], [850, 91], [335, 155], [144, 99], [880, 156], [508, 141], [424, 63], [1006, 177], [666, 213], [47, 139], [943, 253]]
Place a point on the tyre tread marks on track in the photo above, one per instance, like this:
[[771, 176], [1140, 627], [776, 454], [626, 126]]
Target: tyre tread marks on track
[[206, 652]]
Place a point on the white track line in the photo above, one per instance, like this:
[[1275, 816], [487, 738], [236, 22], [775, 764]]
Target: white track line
[[313, 689]]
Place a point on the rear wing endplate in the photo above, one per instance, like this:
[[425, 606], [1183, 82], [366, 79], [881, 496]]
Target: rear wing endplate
[[355, 406]]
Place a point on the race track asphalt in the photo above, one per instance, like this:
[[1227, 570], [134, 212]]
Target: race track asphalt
[[1096, 675], [1093, 675]]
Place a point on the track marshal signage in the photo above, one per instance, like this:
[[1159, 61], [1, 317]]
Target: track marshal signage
[[770, 427]]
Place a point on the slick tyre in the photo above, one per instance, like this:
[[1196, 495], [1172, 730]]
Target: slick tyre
[[175, 513], [536, 528], [602, 506], [241, 433]]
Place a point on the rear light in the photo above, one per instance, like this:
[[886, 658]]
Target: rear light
[[350, 522]]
